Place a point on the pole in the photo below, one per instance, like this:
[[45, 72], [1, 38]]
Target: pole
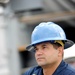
[[4, 68]]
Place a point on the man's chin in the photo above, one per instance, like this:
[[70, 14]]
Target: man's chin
[[41, 64]]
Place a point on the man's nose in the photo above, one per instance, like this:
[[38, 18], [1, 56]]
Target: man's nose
[[39, 52]]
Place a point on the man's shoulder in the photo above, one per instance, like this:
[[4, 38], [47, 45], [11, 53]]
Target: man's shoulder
[[69, 70], [65, 69], [32, 70]]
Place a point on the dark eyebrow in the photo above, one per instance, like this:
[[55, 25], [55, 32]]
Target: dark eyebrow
[[44, 44]]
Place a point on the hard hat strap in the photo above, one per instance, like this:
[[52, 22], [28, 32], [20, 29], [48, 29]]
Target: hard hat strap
[[60, 42]]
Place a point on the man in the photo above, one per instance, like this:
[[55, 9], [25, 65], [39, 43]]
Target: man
[[48, 41]]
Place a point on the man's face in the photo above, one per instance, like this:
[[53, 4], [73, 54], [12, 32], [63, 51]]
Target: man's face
[[46, 54]]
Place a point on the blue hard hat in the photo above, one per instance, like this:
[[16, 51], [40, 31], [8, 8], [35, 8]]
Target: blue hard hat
[[46, 31]]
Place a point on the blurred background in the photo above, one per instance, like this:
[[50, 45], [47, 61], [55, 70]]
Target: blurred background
[[17, 21]]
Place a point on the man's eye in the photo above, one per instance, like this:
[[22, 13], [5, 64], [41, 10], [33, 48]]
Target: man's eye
[[44, 47], [35, 48]]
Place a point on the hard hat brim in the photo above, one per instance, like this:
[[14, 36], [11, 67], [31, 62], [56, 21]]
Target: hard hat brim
[[68, 43]]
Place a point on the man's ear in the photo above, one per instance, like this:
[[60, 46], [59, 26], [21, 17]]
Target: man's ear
[[60, 51]]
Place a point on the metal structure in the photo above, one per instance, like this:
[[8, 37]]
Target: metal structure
[[4, 61]]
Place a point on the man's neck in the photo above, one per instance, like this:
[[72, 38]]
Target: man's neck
[[50, 69]]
